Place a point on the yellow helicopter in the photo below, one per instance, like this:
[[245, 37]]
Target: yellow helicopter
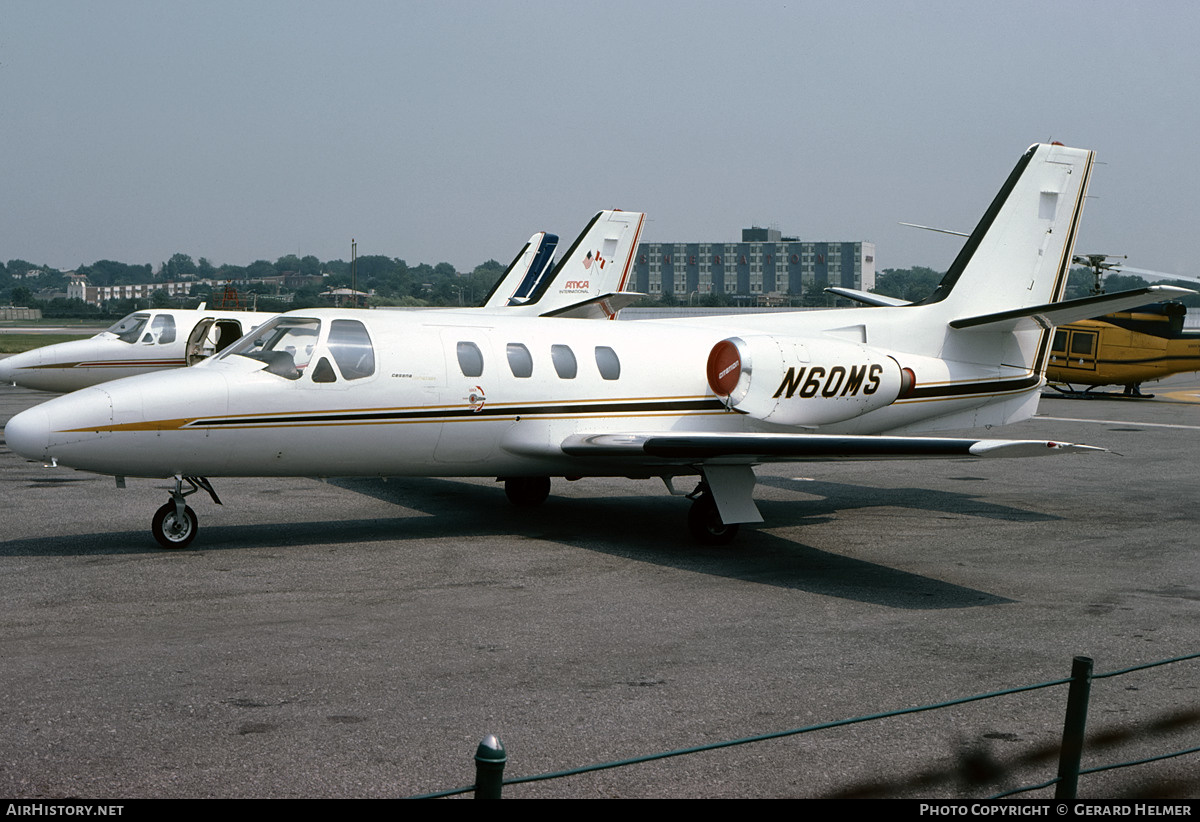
[[1127, 348]]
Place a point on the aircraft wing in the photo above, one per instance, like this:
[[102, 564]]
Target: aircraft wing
[[691, 448], [1069, 311]]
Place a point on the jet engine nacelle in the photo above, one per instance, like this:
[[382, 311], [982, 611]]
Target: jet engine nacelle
[[793, 381]]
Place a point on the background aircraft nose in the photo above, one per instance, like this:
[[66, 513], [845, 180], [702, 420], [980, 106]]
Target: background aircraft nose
[[8, 367], [28, 433]]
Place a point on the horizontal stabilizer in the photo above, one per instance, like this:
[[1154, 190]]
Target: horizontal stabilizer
[[865, 297], [1069, 311], [690, 448], [603, 307]]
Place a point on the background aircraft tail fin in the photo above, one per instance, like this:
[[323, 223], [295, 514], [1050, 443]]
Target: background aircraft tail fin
[[524, 272], [599, 262]]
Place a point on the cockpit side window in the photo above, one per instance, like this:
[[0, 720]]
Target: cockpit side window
[[128, 329], [163, 328], [351, 348], [285, 344]]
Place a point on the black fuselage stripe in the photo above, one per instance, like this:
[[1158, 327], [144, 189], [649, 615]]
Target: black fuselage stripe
[[691, 406]]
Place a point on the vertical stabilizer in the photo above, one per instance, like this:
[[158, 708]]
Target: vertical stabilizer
[[1019, 254], [597, 264], [524, 272]]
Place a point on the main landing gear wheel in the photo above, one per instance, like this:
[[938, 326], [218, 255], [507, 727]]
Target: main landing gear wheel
[[527, 492], [704, 521], [172, 530]]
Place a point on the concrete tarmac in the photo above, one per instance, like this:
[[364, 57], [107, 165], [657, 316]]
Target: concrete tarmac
[[358, 638]]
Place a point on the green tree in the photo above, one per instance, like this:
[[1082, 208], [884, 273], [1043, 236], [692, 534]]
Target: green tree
[[911, 284], [179, 267]]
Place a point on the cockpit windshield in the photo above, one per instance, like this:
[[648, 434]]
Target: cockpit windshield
[[129, 328], [285, 344]]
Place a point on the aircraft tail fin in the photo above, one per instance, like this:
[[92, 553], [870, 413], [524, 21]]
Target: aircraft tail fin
[[1019, 254], [598, 263], [524, 272]]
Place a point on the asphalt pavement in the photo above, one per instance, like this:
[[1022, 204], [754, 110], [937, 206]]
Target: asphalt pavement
[[358, 638]]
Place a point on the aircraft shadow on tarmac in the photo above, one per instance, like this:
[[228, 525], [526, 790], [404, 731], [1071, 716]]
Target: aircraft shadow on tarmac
[[651, 529]]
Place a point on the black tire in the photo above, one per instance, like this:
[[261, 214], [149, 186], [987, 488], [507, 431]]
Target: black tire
[[169, 531], [705, 525], [527, 492]]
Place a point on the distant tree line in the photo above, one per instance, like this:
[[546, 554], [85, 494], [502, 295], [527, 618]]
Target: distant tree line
[[391, 281]]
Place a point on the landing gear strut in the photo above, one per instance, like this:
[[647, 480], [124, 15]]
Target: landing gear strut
[[175, 525], [704, 520], [527, 492]]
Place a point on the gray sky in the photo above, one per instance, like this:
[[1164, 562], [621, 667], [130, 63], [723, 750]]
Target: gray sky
[[451, 131]]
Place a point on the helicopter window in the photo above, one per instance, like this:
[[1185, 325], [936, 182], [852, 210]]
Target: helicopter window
[[520, 360], [351, 348], [129, 328], [564, 361], [1082, 344], [1060, 341], [470, 359], [163, 327], [285, 344], [323, 372], [607, 362]]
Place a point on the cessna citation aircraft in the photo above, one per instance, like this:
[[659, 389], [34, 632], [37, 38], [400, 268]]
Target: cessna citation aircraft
[[142, 343], [525, 398]]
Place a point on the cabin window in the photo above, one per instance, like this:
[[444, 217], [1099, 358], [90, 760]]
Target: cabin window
[[285, 344], [608, 363], [323, 372], [129, 328], [163, 329], [564, 361], [351, 348], [470, 359], [520, 360], [1082, 343]]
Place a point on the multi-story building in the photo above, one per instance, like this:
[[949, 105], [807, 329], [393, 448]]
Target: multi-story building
[[765, 266]]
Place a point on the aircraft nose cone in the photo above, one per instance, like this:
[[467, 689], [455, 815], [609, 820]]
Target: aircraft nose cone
[[28, 433], [7, 369]]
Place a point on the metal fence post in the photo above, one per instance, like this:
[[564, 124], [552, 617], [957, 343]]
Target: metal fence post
[[490, 757], [1071, 752]]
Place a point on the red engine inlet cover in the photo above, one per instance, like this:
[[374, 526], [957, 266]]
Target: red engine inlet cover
[[724, 368]]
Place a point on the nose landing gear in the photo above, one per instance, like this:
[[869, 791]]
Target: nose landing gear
[[174, 525]]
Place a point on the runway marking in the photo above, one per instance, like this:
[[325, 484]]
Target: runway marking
[[1122, 422]]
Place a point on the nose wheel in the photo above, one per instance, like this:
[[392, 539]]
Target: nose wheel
[[175, 525], [173, 528]]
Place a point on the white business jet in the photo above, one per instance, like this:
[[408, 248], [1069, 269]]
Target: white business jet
[[526, 398], [141, 343]]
